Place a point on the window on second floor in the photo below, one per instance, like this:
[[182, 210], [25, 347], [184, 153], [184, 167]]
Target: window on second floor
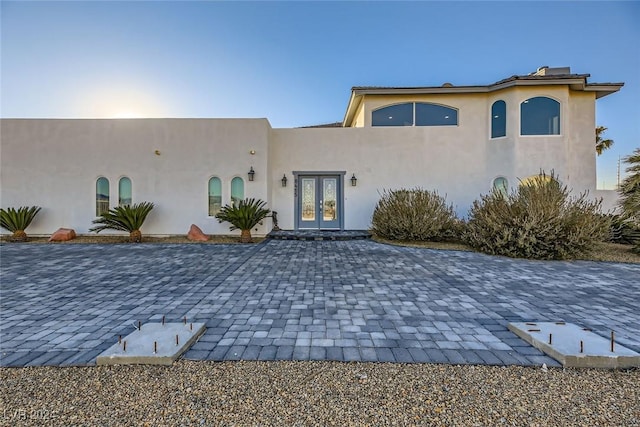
[[498, 119], [540, 116], [415, 114]]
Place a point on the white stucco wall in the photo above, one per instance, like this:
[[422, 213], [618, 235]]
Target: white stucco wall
[[55, 163]]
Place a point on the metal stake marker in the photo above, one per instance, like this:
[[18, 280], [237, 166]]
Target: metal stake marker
[[155, 347], [119, 339], [612, 341], [139, 325], [124, 347], [581, 346], [177, 340], [185, 320], [162, 320], [191, 326], [550, 338]]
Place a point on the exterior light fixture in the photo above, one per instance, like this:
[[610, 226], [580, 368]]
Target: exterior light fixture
[[354, 180], [251, 173], [284, 180]]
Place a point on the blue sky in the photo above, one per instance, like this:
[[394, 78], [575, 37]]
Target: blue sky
[[295, 62]]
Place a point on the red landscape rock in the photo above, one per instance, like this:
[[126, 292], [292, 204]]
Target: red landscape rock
[[196, 234], [63, 235]]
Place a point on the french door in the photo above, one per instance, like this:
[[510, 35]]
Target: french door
[[319, 202]]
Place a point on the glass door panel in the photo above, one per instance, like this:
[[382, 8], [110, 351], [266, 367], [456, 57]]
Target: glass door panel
[[308, 203], [330, 204]]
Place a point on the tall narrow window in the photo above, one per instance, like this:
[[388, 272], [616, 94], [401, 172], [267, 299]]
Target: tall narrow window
[[237, 190], [215, 196], [102, 196], [540, 116], [124, 191], [498, 119]]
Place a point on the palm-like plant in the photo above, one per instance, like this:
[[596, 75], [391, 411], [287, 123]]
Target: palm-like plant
[[601, 143], [243, 216], [630, 192], [17, 220], [124, 218]]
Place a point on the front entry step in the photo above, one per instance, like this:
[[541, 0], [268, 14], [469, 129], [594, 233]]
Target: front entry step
[[319, 235]]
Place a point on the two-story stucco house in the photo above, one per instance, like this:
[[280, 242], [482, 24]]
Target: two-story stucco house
[[459, 140]]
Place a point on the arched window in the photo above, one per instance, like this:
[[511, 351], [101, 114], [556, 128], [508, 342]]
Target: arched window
[[498, 119], [102, 196], [501, 185], [435, 115], [394, 115], [124, 191], [215, 196], [415, 113], [540, 116], [237, 190]]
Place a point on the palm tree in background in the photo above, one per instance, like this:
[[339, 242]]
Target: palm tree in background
[[601, 143]]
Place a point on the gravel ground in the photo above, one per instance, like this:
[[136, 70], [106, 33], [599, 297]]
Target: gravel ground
[[318, 393]]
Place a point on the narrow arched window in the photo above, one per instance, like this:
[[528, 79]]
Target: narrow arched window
[[435, 115], [215, 196], [124, 191], [501, 185], [237, 190], [540, 116], [102, 196], [498, 119], [393, 115]]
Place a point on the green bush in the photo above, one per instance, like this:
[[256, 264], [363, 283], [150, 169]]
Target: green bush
[[243, 216], [125, 218], [539, 220], [17, 220], [415, 214]]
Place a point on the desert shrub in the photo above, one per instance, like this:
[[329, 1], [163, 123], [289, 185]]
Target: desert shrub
[[17, 220], [539, 220], [415, 214], [623, 231], [124, 218]]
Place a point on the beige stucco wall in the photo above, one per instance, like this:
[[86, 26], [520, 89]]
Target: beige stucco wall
[[55, 163]]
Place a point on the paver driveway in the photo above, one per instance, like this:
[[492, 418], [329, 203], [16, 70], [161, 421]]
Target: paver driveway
[[348, 300]]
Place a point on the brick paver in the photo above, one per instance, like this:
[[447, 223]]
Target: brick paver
[[303, 300]]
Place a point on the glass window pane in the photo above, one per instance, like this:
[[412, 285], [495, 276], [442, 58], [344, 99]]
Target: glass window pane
[[501, 185], [215, 196], [498, 119], [124, 191], [329, 199], [394, 115], [102, 196], [540, 116], [237, 190], [435, 115], [308, 199]]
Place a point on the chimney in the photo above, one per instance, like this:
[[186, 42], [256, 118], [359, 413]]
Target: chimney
[[545, 70]]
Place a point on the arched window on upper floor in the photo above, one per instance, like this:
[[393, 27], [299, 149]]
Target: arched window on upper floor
[[215, 196], [435, 115], [393, 115], [540, 116], [102, 196], [124, 191], [237, 190], [415, 114], [499, 119]]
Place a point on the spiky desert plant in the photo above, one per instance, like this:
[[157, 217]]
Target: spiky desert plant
[[124, 218], [17, 220], [243, 216]]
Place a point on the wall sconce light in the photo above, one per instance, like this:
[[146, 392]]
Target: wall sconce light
[[251, 173], [284, 180], [157, 152], [354, 180], [252, 152]]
